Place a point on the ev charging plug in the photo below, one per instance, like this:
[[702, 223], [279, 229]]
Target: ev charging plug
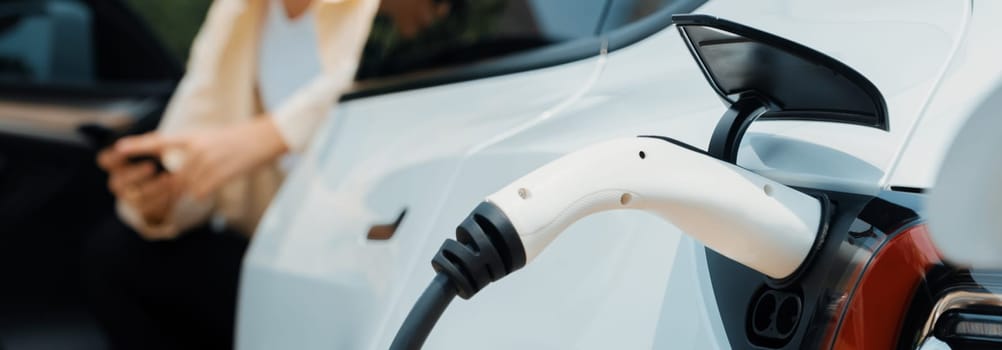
[[755, 221], [746, 217]]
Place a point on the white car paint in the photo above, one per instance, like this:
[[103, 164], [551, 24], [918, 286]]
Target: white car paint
[[973, 73], [620, 279], [377, 157]]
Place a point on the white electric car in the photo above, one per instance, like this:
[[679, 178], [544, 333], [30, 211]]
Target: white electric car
[[861, 102], [846, 107]]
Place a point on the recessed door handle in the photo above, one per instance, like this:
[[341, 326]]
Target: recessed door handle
[[382, 232]]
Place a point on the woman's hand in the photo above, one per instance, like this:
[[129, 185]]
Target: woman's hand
[[214, 157], [151, 194]]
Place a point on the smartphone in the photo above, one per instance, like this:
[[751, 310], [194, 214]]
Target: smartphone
[[101, 137]]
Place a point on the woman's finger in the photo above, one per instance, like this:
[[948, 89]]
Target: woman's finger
[[129, 194], [135, 175], [151, 143], [156, 199], [156, 188], [155, 206], [128, 178], [108, 159]]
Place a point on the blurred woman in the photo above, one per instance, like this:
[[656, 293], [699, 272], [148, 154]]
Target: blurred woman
[[261, 77]]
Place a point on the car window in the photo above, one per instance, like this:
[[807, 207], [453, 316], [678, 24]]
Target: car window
[[625, 12], [77, 43], [175, 22], [476, 30], [25, 27]]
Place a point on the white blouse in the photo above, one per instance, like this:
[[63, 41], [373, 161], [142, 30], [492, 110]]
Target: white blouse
[[288, 58], [287, 61]]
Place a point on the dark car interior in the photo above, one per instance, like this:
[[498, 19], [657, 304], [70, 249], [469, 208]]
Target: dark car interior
[[100, 66]]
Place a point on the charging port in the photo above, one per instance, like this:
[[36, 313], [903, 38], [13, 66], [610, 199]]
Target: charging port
[[773, 317]]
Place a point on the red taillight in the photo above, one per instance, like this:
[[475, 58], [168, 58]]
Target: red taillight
[[874, 312]]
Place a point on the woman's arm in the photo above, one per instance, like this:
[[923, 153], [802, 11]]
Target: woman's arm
[[201, 100], [342, 28]]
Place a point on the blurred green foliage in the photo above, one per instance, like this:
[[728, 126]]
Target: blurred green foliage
[[175, 22], [448, 40], [387, 52]]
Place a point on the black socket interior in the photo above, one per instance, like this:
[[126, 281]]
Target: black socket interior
[[773, 317]]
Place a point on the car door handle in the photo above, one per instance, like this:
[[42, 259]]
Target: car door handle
[[382, 232]]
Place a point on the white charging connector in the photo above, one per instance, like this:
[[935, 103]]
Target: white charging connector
[[748, 218], [755, 221]]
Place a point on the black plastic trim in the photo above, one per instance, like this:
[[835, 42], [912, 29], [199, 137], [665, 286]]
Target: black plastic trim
[[647, 26], [946, 327], [889, 213], [550, 56], [558, 54], [908, 189], [823, 116], [880, 120], [487, 247], [731, 127], [765, 317], [679, 143], [82, 92]]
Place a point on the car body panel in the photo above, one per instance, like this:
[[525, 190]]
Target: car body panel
[[379, 156], [614, 280], [972, 74]]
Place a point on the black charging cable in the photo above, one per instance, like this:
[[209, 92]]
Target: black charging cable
[[486, 248], [425, 314]]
